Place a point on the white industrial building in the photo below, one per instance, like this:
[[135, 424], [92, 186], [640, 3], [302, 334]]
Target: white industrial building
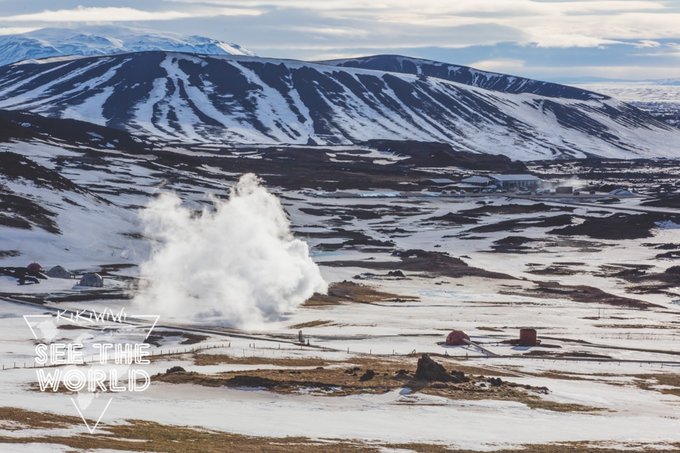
[[477, 180], [523, 181]]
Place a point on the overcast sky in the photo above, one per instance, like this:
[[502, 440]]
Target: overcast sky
[[548, 39]]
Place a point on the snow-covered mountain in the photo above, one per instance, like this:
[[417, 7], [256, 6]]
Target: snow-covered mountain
[[659, 98], [466, 75], [250, 100], [105, 40]]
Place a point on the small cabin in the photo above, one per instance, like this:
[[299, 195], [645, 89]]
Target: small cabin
[[528, 337], [457, 338]]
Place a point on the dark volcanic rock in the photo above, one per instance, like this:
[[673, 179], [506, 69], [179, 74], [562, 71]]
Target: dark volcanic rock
[[444, 155], [668, 201], [673, 255], [495, 382], [402, 374], [514, 209], [23, 125], [398, 274], [23, 275], [21, 212], [583, 293], [367, 376], [618, 226], [523, 223], [513, 244], [453, 218], [673, 270], [14, 166], [433, 263], [251, 381], [429, 370], [459, 377]]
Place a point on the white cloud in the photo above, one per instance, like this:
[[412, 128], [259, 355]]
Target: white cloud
[[637, 72], [15, 30], [405, 23], [530, 30], [595, 30], [331, 31], [505, 65], [121, 14], [569, 40], [646, 43], [590, 23]]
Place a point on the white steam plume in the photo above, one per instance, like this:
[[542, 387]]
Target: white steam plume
[[238, 265]]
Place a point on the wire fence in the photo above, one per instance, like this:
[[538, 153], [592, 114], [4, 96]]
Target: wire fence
[[254, 350], [96, 359]]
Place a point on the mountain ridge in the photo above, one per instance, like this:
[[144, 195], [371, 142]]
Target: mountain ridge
[[105, 40], [253, 100], [465, 74]]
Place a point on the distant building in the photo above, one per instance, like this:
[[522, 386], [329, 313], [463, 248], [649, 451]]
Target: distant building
[[525, 182], [34, 267], [58, 272], [622, 193], [457, 338], [528, 337], [477, 180], [92, 280], [441, 181]]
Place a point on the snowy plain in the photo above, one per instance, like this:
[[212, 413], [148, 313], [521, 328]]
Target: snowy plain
[[490, 310]]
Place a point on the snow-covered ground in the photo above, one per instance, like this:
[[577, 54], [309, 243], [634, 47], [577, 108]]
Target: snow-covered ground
[[631, 414], [660, 99], [100, 226]]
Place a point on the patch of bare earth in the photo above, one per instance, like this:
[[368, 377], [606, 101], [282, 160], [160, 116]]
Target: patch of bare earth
[[433, 264], [13, 419], [350, 292], [316, 323], [635, 326], [579, 293], [141, 435], [223, 359], [367, 376], [668, 384], [187, 337], [490, 329]]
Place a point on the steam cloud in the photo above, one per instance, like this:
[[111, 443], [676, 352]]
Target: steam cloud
[[238, 264]]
